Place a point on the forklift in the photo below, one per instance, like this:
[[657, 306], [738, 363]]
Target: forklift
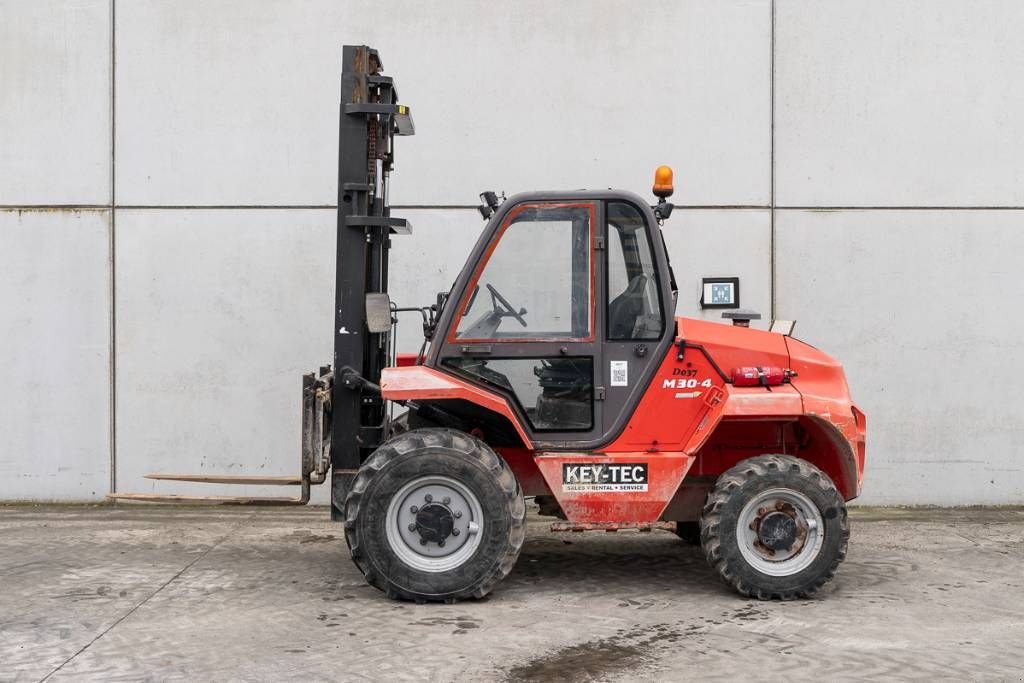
[[555, 368]]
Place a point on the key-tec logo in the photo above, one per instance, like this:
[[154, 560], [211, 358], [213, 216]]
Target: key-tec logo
[[604, 477]]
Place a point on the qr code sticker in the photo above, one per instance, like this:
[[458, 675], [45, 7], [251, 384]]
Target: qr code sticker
[[620, 373]]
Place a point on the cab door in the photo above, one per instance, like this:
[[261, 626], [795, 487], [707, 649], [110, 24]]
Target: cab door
[[636, 323], [527, 322]]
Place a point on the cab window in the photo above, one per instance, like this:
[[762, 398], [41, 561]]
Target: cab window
[[536, 283], [634, 302]]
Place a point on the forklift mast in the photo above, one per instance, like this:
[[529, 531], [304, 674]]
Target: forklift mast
[[370, 118]]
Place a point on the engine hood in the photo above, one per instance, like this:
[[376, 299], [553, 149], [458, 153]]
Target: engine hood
[[818, 375], [731, 346]]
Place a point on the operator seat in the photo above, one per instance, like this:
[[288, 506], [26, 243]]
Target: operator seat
[[626, 309]]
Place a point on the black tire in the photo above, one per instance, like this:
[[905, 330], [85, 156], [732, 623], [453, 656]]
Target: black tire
[[689, 532], [741, 484], [431, 452]]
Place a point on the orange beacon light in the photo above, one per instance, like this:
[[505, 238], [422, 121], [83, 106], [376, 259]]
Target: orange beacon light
[[663, 182]]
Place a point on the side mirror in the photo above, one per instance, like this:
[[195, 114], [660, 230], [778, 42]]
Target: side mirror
[[489, 203], [378, 312]]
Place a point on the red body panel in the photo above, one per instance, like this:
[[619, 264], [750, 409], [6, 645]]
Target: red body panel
[[689, 417], [680, 408], [404, 360], [755, 402], [420, 383], [663, 473]]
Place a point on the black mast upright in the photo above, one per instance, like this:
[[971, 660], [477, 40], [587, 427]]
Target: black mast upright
[[370, 118]]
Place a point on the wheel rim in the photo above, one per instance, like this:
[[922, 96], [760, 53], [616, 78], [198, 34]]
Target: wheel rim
[[780, 532], [434, 524]]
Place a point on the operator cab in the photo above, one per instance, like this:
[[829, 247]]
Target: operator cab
[[565, 307]]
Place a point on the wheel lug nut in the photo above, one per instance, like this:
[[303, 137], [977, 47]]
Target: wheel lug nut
[[455, 532], [446, 500], [440, 544], [412, 527], [414, 509], [429, 498], [458, 513], [423, 541]]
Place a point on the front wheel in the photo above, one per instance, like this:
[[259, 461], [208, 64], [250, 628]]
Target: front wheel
[[775, 527], [435, 515]]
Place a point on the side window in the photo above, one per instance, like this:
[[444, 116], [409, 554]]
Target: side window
[[536, 283], [555, 393], [634, 302]]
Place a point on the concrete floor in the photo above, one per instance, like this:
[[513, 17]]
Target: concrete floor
[[156, 593]]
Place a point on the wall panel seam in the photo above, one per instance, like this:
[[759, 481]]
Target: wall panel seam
[[112, 247], [771, 164], [451, 207]]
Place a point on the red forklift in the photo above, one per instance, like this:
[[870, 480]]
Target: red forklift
[[555, 369]]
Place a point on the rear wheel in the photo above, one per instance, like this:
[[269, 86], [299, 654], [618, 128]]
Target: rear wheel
[[775, 527], [435, 514]]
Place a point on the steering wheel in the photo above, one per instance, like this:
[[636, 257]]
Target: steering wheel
[[510, 311]]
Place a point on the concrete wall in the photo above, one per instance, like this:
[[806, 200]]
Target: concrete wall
[[55, 277], [168, 173]]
